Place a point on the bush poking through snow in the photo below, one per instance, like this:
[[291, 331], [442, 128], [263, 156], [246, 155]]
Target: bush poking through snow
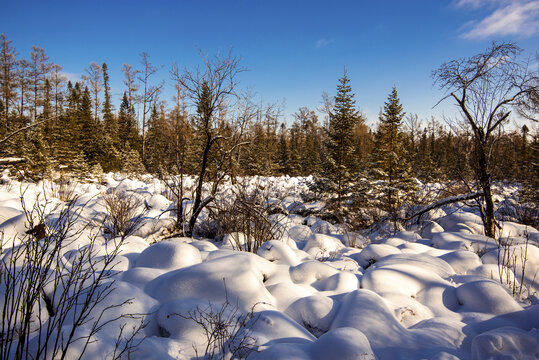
[[246, 217], [225, 328], [54, 298], [124, 214], [63, 190], [512, 260]]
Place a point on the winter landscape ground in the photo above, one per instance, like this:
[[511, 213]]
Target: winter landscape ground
[[437, 290]]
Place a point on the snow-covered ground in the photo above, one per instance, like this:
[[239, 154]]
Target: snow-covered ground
[[440, 290]]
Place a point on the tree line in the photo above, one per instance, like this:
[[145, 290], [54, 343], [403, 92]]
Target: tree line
[[73, 128]]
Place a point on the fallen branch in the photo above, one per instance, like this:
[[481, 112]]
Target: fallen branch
[[11, 161], [10, 135], [445, 201]]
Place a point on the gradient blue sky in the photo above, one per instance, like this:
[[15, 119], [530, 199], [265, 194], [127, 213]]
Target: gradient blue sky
[[294, 50]]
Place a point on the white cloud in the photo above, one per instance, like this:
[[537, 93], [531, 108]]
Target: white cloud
[[323, 43], [474, 3], [71, 76], [519, 18]]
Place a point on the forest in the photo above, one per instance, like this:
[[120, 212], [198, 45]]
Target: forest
[[206, 225]]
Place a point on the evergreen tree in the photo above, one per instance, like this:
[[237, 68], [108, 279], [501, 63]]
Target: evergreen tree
[[39, 164], [339, 162], [109, 121], [66, 142], [308, 140], [127, 127], [283, 153], [155, 140], [131, 162], [90, 137], [390, 162]]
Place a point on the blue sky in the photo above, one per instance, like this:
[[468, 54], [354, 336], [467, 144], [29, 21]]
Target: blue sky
[[294, 50]]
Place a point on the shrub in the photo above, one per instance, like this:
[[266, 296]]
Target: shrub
[[51, 298], [124, 214], [245, 215], [225, 328]]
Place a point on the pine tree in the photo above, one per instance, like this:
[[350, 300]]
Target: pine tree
[[390, 162], [339, 162]]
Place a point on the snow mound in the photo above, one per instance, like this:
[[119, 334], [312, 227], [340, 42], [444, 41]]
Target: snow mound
[[486, 296], [345, 343], [506, 343], [315, 313], [279, 252], [320, 245], [169, 255], [242, 273]]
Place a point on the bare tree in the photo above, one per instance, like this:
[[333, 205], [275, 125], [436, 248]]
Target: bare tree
[[23, 85], [413, 125], [129, 81], [485, 87], [210, 88], [149, 95], [58, 81], [94, 77], [39, 67], [8, 68], [529, 106], [178, 135]]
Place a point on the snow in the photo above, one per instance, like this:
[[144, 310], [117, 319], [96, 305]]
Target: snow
[[437, 290]]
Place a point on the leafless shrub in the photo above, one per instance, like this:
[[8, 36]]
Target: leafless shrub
[[246, 217], [226, 330], [512, 261], [52, 298], [63, 189], [125, 213], [177, 189], [525, 214]]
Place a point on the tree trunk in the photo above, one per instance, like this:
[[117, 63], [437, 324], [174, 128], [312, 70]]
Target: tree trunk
[[198, 194], [489, 221]]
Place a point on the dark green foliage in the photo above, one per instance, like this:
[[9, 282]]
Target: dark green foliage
[[389, 158], [156, 147], [339, 161], [109, 121], [91, 134], [39, 164], [283, 152], [127, 126]]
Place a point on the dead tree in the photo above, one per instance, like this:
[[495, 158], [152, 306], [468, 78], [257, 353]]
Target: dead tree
[[150, 94], [210, 88], [485, 88]]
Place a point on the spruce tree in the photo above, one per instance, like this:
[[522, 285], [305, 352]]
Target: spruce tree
[[127, 127], [109, 121], [39, 164], [90, 137], [156, 146], [283, 153], [390, 162], [339, 161], [68, 154]]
